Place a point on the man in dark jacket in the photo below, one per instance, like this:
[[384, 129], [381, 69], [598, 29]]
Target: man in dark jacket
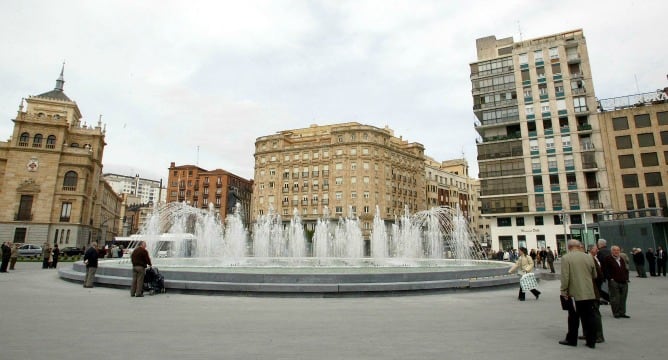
[[140, 259], [6, 254], [90, 259], [618, 282], [639, 261], [651, 261], [603, 252], [661, 261]]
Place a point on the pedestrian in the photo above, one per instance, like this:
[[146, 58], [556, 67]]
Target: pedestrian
[[6, 254], [90, 259], [550, 259], [639, 262], [140, 259], [56, 254], [14, 256], [661, 259], [603, 252], [651, 261], [578, 272], [598, 323], [46, 254], [617, 274], [524, 266], [543, 257]]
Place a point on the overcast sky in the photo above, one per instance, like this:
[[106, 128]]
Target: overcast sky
[[171, 76]]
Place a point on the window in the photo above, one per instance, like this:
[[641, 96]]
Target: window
[[37, 140], [25, 208], [651, 200], [645, 140], [533, 144], [623, 142], [503, 222], [580, 104], [519, 221], [523, 59], [642, 120], [338, 195], [664, 137], [640, 200], [649, 159], [566, 141], [662, 117], [70, 181], [50, 142], [528, 109], [338, 181], [627, 161], [556, 70], [540, 202], [629, 201], [353, 151], [538, 220], [554, 53], [23, 139], [338, 166], [630, 181], [653, 179], [620, 123], [538, 55], [65, 211]]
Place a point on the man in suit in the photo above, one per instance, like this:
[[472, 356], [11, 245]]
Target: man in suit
[[578, 272], [603, 252], [661, 261], [651, 261], [617, 274]]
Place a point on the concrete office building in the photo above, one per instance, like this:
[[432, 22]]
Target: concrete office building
[[540, 151], [145, 190]]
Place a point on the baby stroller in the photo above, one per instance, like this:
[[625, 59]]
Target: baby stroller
[[154, 282]]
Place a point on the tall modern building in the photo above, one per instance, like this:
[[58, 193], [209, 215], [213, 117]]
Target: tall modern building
[[147, 191], [348, 168], [51, 176], [540, 150]]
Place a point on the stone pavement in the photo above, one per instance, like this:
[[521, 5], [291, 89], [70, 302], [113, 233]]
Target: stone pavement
[[43, 317]]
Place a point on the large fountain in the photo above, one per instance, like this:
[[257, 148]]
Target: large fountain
[[196, 251]]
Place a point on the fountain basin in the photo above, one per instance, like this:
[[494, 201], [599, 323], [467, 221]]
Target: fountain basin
[[306, 276]]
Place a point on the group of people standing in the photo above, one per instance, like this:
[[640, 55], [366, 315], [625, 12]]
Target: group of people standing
[[655, 260], [140, 260], [9, 256], [50, 256], [584, 280]]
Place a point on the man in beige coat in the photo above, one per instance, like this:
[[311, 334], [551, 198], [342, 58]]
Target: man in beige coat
[[577, 273]]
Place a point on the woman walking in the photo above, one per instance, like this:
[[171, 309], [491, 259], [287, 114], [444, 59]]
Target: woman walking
[[524, 267]]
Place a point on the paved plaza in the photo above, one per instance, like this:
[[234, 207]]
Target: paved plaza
[[45, 317]]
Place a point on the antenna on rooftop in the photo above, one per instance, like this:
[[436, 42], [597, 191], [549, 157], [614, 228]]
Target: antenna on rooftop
[[519, 28], [197, 160]]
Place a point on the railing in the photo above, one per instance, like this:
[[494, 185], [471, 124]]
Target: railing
[[69, 188]]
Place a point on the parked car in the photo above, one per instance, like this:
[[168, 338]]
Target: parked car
[[30, 250], [71, 251]]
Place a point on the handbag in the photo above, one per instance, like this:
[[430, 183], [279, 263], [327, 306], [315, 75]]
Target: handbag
[[566, 303], [528, 282]]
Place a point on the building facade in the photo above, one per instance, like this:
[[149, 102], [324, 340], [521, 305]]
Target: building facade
[[147, 191], [635, 133], [448, 184], [540, 151], [51, 176], [348, 168], [202, 188]]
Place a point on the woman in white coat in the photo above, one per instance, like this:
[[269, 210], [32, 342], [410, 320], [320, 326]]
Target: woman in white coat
[[524, 265]]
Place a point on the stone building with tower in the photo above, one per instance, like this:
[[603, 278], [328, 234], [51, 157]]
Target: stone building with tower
[[51, 184]]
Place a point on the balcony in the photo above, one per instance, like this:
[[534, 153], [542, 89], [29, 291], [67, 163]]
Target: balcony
[[554, 188], [295, 175], [314, 202], [325, 201], [548, 131], [315, 173], [315, 187], [64, 219], [295, 202], [69, 188], [304, 202], [305, 174], [557, 77], [286, 203], [572, 186], [589, 165], [573, 59], [578, 91], [584, 127], [538, 188], [325, 173]]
